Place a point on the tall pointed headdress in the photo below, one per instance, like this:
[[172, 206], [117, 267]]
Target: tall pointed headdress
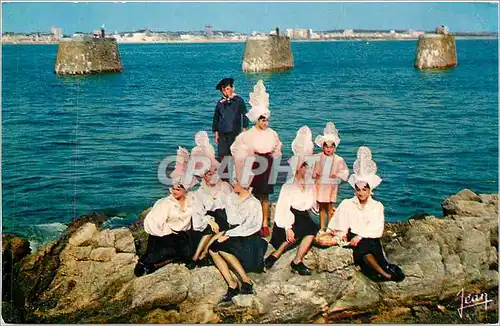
[[259, 100], [302, 145], [179, 176], [365, 170], [203, 148]]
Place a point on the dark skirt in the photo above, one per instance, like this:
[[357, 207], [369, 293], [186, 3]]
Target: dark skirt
[[368, 246], [303, 226], [260, 183], [172, 246], [220, 218], [249, 251]]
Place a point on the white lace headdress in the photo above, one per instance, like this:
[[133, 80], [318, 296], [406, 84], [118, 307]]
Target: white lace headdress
[[330, 135], [302, 145], [179, 176], [259, 100], [365, 170], [205, 149]]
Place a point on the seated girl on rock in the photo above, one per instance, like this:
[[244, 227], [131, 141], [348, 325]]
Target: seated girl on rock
[[360, 221], [169, 221], [293, 224], [241, 248], [210, 218]]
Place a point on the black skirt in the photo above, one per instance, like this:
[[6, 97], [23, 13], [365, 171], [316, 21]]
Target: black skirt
[[260, 183], [303, 226], [368, 246], [249, 250], [172, 246], [220, 218]]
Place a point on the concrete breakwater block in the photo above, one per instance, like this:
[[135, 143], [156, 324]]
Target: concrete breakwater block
[[267, 53], [88, 56], [436, 51]]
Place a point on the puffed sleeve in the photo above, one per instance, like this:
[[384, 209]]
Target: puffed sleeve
[[340, 220], [155, 222], [284, 218], [240, 151], [341, 169], [277, 147]]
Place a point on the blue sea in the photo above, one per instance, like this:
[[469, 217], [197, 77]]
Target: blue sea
[[72, 145]]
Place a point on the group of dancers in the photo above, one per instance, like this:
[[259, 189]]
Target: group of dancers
[[225, 222]]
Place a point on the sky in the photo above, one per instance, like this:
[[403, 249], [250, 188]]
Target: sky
[[247, 17]]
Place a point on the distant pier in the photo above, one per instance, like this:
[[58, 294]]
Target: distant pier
[[87, 56], [436, 51], [267, 53]]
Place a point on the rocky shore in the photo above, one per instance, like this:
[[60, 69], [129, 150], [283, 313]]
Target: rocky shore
[[87, 276]]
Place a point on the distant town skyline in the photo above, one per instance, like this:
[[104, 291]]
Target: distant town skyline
[[248, 17]]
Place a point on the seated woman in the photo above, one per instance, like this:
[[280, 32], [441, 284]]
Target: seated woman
[[241, 248], [360, 220], [169, 221], [210, 217], [293, 224]]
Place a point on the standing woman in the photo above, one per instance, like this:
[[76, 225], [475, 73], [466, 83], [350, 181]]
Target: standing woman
[[293, 224], [169, 221], [360, 220], [260, 140]]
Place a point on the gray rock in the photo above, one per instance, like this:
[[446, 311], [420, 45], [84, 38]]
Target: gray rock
[[124, 241], [103, 254], [105, 238], [439, 256], [83, 235], [467, 203]]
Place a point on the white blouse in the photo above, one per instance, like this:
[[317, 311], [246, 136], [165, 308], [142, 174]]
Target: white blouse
[[167, 216], [246, 213], [367, 221], [292, 195], [255, 140], [209, 199]]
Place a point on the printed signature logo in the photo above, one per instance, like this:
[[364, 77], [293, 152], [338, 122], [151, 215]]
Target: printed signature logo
[[472, 300]]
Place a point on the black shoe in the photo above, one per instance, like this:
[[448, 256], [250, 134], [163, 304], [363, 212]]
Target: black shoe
[[246, 288], [300, 268], [397, 275], [191, 264], [141, 269], [230, 294], [269, 261]]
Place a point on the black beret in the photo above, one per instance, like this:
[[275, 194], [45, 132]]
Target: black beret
[[224, 82]]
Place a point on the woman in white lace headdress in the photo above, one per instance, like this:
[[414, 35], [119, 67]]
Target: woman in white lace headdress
[[210, 217], [360, 220], [260, 140], [292, 223], [169, 221], [329, 171]]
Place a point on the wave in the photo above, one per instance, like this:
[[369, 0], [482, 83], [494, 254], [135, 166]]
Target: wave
[[40, 234]]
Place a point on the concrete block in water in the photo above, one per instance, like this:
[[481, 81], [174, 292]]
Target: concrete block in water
[[436, 51], [267, 53], [88, 56]]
